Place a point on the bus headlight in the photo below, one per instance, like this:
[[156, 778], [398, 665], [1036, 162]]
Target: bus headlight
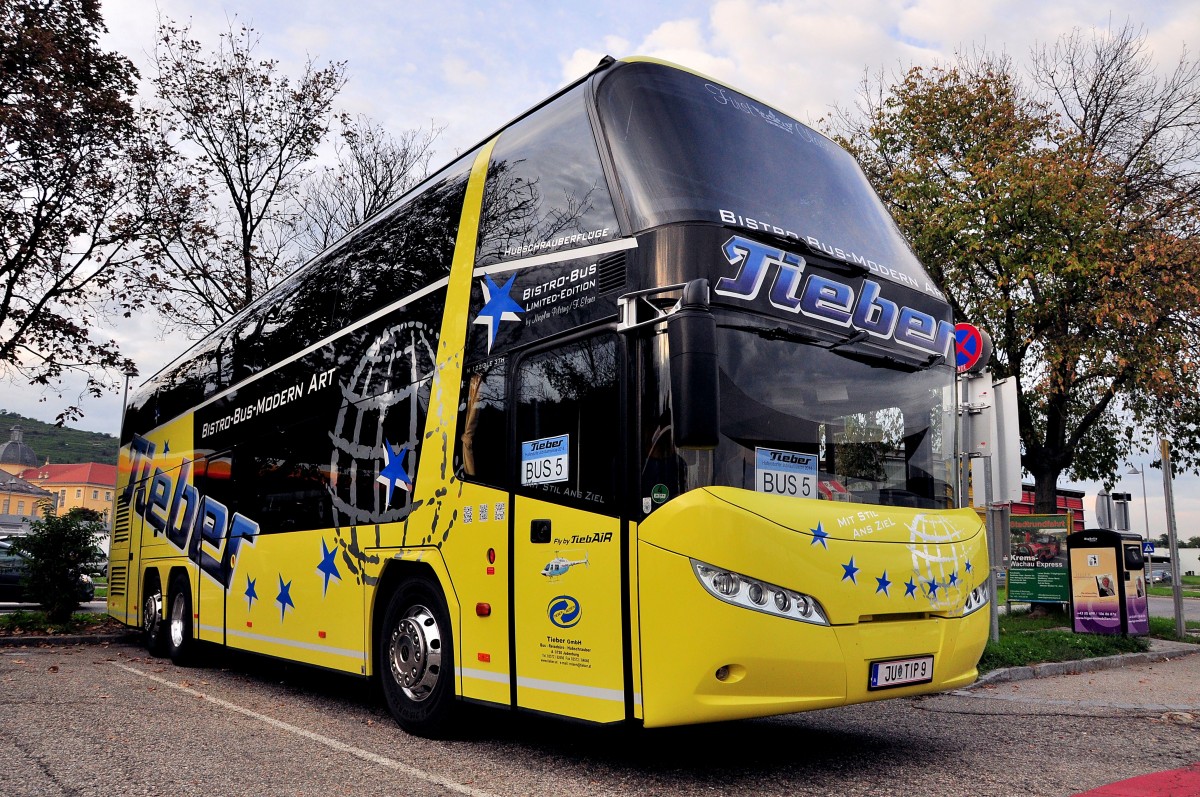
[[977, 599], [761, 596]]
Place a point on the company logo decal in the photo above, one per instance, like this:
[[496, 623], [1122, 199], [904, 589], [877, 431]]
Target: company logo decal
[[828, 300], [195, 523], [498, 306], [564, 611]]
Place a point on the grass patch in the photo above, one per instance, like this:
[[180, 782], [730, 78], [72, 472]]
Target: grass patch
[[1045, 636], [1164, 628], [34, 623]]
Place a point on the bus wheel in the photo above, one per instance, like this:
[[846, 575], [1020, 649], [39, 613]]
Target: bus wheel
[[180, 643], [153, 627], [416, 659]]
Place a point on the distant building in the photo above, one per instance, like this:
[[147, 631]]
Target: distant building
[[20, 502], [87, 484], [15, 455]]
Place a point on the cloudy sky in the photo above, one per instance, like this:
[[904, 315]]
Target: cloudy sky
[[472, 66]]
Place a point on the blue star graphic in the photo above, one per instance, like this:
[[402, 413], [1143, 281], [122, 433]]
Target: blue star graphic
[[850, 571], [284, 598], [910, 589], [393, 472], [933, 587], [820, 535], [883, 583], [328, 567], [969, 568], [250, 593], [953, 579], [166, 446], [498, 306]]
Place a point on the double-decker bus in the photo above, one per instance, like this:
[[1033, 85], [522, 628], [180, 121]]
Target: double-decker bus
[[640, 411]]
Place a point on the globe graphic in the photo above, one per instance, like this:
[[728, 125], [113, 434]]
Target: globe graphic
[[384, 400]]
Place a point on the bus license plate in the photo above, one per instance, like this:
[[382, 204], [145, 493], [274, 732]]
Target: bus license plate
[[901, 672]]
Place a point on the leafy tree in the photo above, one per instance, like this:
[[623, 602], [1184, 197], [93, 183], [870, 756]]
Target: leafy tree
[[61, 550], [68, 195], [234, 135], [1061, 215], [372, 169]]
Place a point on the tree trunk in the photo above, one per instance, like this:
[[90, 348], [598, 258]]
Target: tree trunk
[[1045, 492]]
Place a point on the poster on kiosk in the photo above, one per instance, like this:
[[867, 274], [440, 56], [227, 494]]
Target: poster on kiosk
[[1108, 587]]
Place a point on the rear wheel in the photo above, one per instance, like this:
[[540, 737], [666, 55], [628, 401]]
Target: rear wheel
[[180, 643], [416, 659], [153, 627]]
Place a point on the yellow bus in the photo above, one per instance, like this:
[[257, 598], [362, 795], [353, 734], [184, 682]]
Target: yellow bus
[[640, 411]]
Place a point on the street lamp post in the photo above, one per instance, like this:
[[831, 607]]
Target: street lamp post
[[1135, 471]]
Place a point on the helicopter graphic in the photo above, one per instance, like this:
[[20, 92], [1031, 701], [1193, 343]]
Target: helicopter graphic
[[560, 565]]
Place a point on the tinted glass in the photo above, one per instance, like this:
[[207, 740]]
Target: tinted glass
[[687, 149], [569, 423], [545, 189]]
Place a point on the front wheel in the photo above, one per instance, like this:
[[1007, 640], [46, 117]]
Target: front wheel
[[416, 659], [180, 642]]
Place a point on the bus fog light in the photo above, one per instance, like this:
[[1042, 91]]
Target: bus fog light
[[723, 673], [756, 593], [725, 583], [782, 602]]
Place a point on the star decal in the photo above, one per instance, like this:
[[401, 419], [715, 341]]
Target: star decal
[[849, 571], [953, 580], [328, 567], [498, 306], [284, 598], [250, 593], [820, 535], [969, 566], [883, 583], [933, 587], [393, 472], [166, 446], [910, 589]]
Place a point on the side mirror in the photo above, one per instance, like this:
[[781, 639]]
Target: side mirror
[[692, 339]]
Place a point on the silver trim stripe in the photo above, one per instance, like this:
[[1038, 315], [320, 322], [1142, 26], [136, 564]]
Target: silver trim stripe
[[356, 655], [484, 675], [558, 687], [557, 257]]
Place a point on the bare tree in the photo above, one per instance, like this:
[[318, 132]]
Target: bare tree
[[372, 169], [69, 193], [235, 136]]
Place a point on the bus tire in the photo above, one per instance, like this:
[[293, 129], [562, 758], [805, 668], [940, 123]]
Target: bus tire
[[180, 642], [154, 635], [416, 658]]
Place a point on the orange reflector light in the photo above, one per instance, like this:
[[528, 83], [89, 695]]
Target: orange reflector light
[[485, 657], [321, 634], [491, 556], [483, 609]]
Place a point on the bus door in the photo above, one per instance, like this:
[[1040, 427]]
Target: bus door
[[567, 533]]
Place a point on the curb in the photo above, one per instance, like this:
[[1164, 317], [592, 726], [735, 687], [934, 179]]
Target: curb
[[1167, 650], [64, 639]]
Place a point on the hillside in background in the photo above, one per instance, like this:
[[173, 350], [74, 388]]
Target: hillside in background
[[59, 444]]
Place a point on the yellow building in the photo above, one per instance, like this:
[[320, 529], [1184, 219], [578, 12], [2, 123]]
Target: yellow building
[[20, 502], [87, 484]]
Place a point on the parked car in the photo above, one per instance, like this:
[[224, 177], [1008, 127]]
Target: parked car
[[1161, 577], [12, 570]]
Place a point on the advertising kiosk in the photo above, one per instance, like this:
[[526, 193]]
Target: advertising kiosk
[[1108, 583]]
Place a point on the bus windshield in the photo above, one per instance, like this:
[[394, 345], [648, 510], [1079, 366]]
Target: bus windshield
[[690, 150], [812, 420]]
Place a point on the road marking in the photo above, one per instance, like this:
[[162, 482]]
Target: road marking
[[357, 752]]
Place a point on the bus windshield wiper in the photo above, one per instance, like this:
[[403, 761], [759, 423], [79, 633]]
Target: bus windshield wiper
[[874, 355], [773, 333]]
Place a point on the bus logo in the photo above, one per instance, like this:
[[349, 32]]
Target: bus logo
[[564, 611], [828, 300]]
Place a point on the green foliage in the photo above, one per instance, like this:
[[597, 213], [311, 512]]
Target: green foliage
[[1034, 638], [68, 193], [61, 550], [1060, 213], [60, 444]]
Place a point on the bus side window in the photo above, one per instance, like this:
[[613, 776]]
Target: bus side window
[[482, 423], [568, 442]]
